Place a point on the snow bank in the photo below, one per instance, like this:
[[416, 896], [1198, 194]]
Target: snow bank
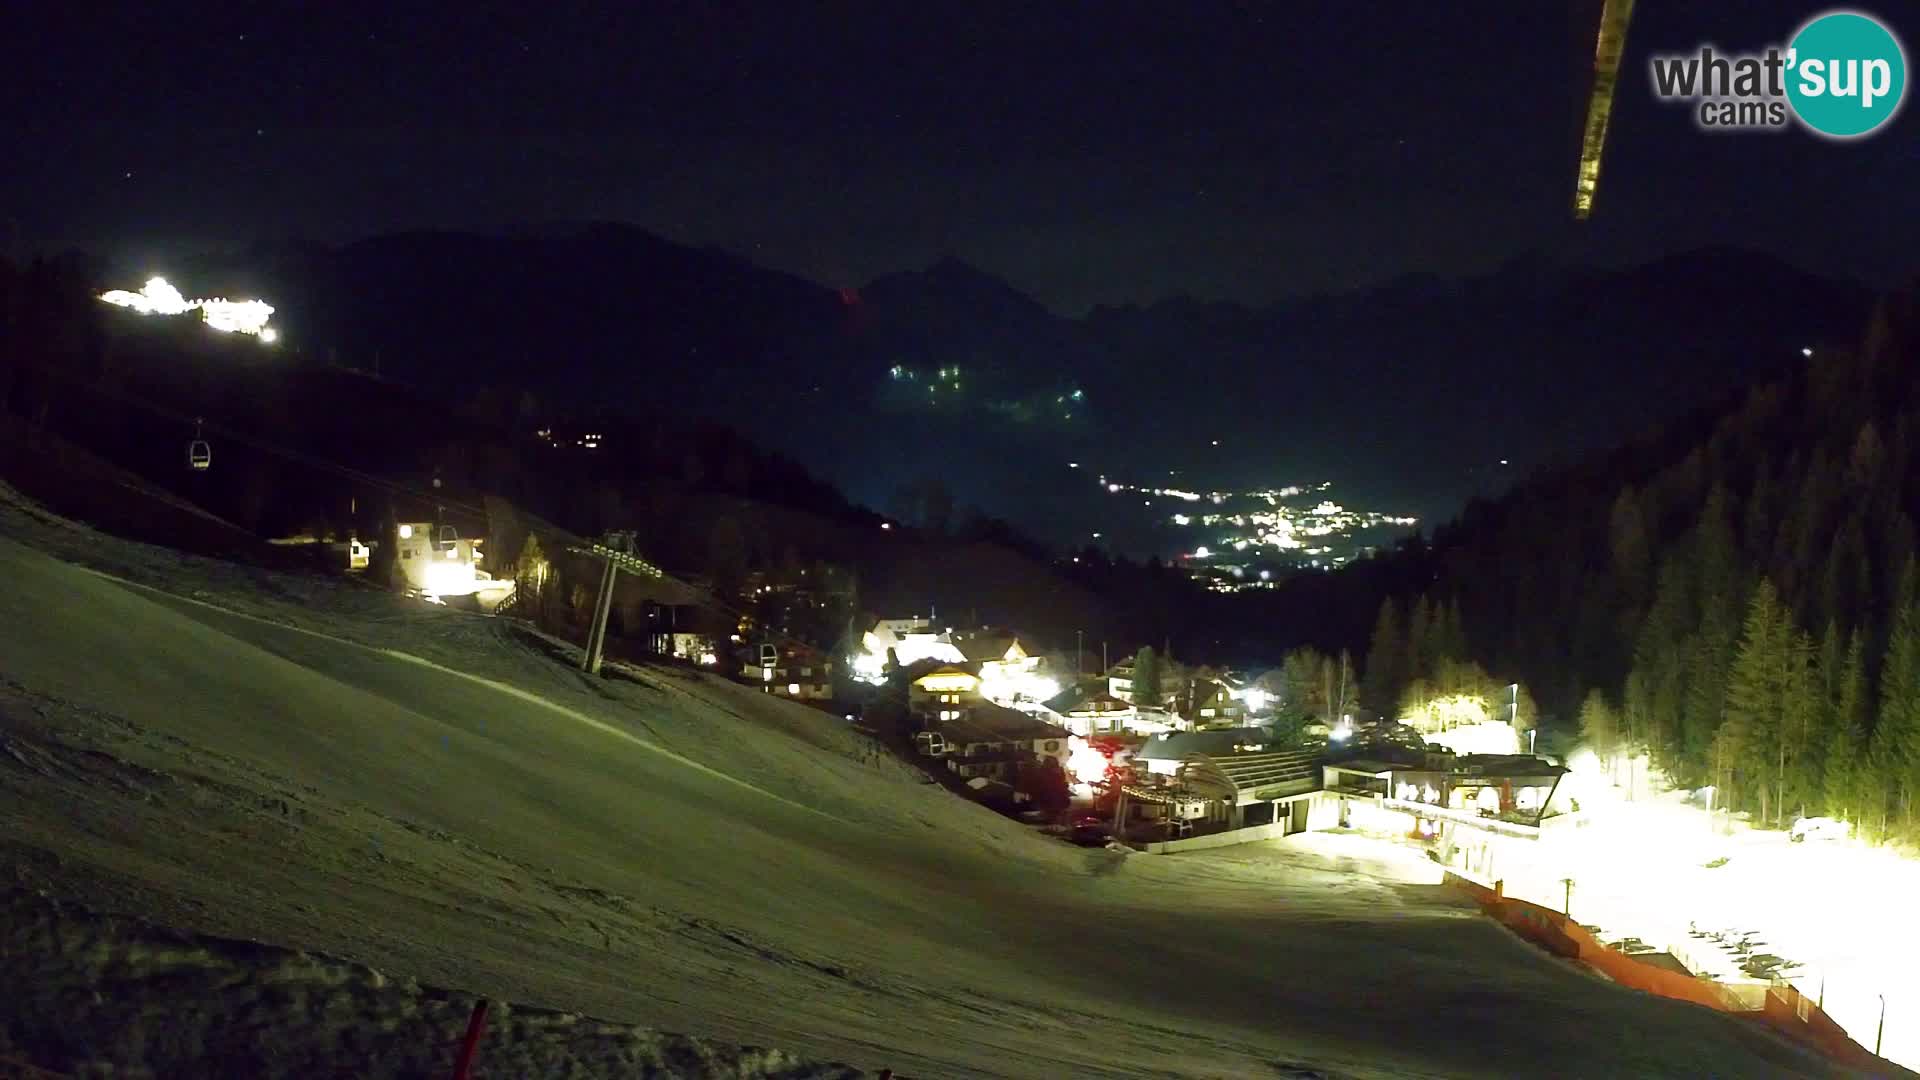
[[249, 756], [92, 993]]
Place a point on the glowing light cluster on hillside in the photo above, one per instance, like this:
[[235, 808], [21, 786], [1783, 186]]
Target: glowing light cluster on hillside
[[159, 297], [991, 391]]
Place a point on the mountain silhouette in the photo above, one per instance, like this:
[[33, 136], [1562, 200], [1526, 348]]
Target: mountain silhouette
[[1407, 394]]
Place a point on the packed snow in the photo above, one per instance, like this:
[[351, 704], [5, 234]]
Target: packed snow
[[1660, 870], [306, 824]]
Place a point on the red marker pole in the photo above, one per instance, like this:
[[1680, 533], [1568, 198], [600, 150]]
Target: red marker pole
[[476, 1024]]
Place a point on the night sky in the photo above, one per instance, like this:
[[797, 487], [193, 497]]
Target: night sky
[[1088, 153]]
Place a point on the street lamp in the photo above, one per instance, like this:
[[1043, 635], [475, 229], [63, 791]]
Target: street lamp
[[1513, 713]]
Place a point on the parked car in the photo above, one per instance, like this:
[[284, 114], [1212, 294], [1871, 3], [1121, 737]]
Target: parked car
[[1090, 832], [1818, 828]]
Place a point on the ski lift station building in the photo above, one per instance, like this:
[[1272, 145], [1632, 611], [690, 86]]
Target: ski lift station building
[[436, 560]]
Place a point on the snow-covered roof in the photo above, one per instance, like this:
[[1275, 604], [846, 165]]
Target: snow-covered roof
[[1506, 765], [1177, 745], [1079, 698], [986, 646], [920, 669], [1366, 765], [987, 722]]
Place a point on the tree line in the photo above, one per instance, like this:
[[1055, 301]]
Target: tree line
[[1732, 594]]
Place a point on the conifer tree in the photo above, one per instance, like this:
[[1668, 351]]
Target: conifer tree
[[1896, 736], [1386, 660], [1847, 778], [1599, 726], [1757, 686]]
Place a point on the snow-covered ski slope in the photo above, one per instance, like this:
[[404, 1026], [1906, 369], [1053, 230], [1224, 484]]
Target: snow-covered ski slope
[[441, 798]]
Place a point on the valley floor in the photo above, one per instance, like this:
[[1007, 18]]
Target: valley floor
[[254, 818]]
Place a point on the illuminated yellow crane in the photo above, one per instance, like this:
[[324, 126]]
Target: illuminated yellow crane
[[1606, 72]]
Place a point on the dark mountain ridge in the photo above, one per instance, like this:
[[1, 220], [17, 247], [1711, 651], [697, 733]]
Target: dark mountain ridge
[[1406, 396]]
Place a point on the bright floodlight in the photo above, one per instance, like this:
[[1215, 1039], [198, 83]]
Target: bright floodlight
[[1085, 763], [158, 297], [268, 335]]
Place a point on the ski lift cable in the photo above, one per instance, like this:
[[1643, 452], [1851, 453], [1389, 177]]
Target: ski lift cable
[[711, 601], [300, 457]]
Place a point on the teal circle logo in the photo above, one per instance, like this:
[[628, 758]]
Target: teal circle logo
[[1846, 75]]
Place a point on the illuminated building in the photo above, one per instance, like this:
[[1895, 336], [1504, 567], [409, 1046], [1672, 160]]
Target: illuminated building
[[907, 641], [436, 561], [1008, 674], [789, 671], [975, 736], [1097, 712]]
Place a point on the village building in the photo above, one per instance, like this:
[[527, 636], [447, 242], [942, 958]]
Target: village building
[[1477, 810], [1089, 711], [693, 633], [938, 690], [1208, 702], [437, 562], [903, 641], [789, 670], [1228, 798], [1010, 674], [995, 741], [1164, 753]]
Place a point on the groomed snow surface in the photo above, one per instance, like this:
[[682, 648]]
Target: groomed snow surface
[[263, 825]]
